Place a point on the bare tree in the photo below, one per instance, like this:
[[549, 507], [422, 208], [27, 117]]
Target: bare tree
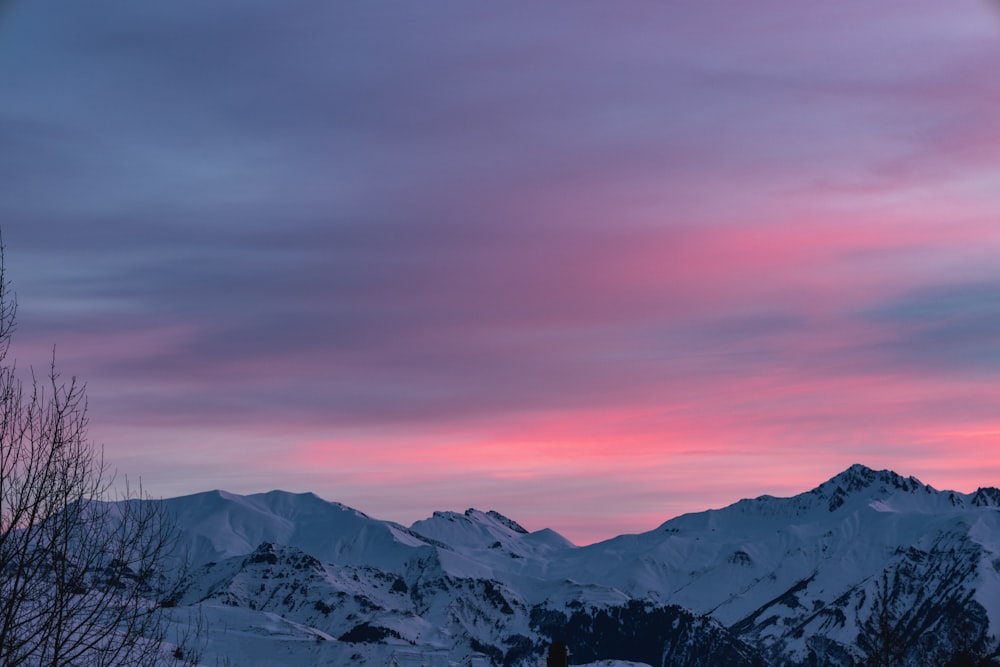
[[79, 562]]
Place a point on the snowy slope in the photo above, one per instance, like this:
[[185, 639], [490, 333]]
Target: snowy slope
[[785, 581], [218, 525], [780, 570]]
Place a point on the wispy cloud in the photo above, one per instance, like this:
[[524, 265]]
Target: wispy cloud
[[592, 266]]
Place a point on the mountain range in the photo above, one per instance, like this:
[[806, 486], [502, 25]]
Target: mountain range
[[870, 567]]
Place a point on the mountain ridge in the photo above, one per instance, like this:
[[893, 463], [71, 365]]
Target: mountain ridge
[[790, 581]]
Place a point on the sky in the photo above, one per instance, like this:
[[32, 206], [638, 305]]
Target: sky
[[592, 265]]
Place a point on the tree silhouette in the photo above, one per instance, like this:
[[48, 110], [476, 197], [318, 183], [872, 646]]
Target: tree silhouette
[[78, 561]]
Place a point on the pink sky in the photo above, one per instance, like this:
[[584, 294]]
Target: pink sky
[[589, 267]]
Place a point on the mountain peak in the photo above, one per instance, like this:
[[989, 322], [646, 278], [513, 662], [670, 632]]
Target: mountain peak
[[986, 496], [485, 518], [500, 518], [859, 477]]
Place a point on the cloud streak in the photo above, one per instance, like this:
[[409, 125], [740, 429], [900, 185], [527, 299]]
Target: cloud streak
[[592, 269]]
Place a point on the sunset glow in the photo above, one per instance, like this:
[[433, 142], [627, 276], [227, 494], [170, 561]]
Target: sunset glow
[[590, 266]]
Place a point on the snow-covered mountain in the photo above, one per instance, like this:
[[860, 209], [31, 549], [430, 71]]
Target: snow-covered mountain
[[867, 564]]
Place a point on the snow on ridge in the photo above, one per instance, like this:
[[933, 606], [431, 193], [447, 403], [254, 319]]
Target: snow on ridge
[[510, 523], [764, 566], [218, 525]]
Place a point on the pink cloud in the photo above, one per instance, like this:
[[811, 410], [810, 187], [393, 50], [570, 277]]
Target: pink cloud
[[590, 270]]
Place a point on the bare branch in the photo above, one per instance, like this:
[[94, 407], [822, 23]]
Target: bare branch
[[80, 566]]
